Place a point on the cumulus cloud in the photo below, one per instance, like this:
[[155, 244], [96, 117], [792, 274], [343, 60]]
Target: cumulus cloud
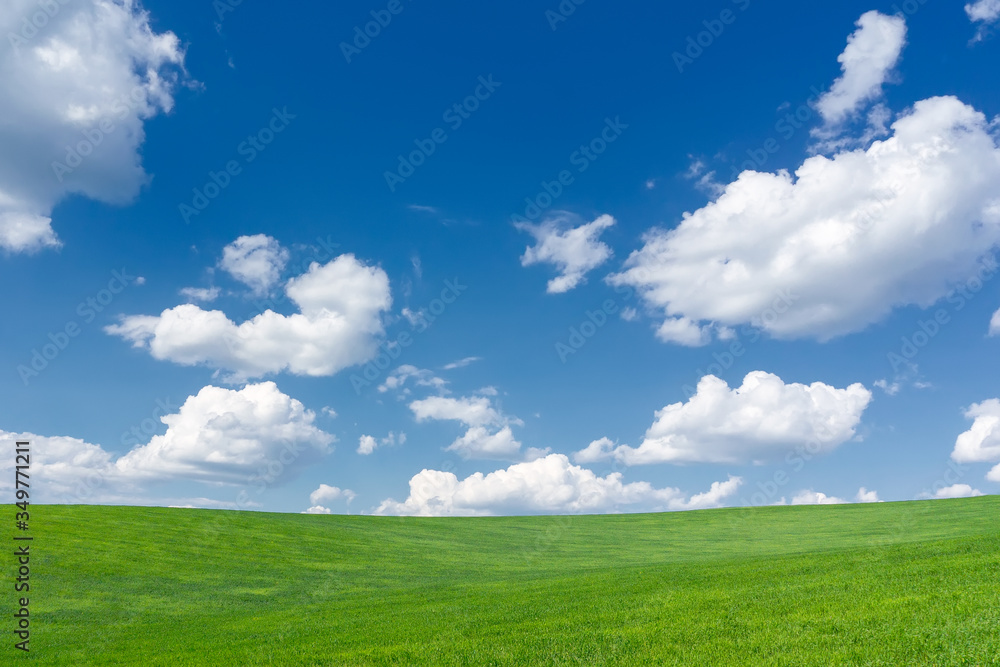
[[995, 324], [338, 325], [225, 435], [550, 484], [890, 388], [326, 493], [981, 443], [205, 294], [256, 261], [574, 250], [471, 411], [683, 331], [479, 443], [984, 12], [318, 509], [714, 497], [598, 450], [366, 445], [488, 434], [763, 419], [398, 378], [871, 54], [839, 245], [816, 498], [866, 496], [74, 96], [218, 436], [957, 491], [61, 467]]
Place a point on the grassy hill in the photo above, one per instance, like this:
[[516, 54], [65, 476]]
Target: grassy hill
[[890, 584]]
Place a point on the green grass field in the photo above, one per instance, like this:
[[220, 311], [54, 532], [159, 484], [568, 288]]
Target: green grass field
[[914, 583]]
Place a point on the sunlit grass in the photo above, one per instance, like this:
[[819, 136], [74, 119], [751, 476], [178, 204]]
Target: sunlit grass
[[886, 584]]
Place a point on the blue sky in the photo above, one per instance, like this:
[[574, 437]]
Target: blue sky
[[803, 185]]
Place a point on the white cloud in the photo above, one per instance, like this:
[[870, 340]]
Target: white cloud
[[574, 250], [866, 496], [682, 331], [256, 261], [890, 389], [205, 294], [61, 468], [995, 324], [462, 363], [598, 450], [872, 52], [546, 485], [318, 509], [413, 317], [715, 496], [339, 324], [839, 245], [325, 493], [703, 180], [219, 436], [471, 411], [981, 443], [224, 435], [366, 445], [816, 498], [761, 420], [479, 443], [957, 491], [986, 11], [74, 96], [535, 453], [397, 379], [488, 435]]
